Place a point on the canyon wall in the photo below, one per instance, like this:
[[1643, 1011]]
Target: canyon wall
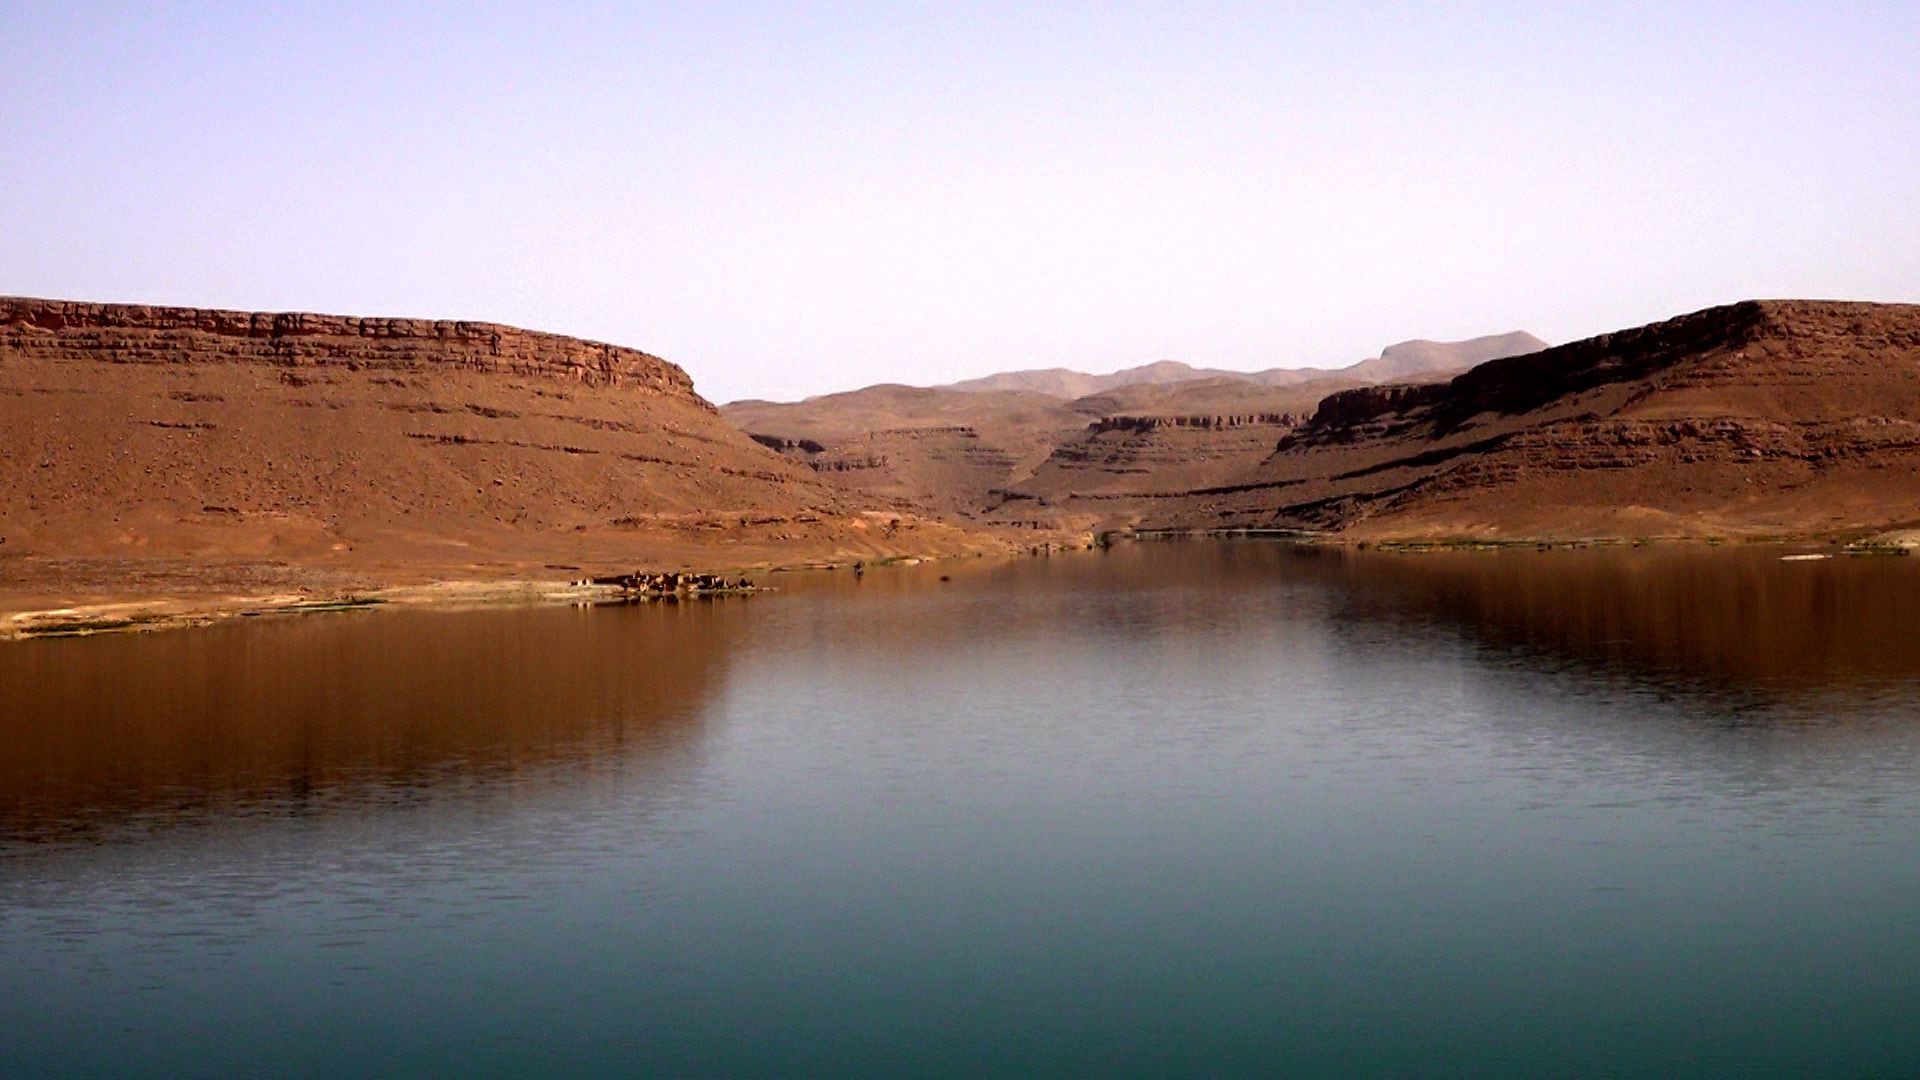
[[141, 334], [191, 448], [1754, 418]]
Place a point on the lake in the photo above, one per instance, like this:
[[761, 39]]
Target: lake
[[1220, 807]]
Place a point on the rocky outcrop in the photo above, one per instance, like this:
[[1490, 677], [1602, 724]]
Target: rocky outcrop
[[1763, 416], [791, 447], [1516, 384], [141, 334], [1349, 408], [641, 584], [847, 464], [1049, 437], [1215, 422], [212, 437]]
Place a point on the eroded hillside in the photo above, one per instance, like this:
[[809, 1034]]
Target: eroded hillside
[[164, 443], [1056, 447], [1753, 418]]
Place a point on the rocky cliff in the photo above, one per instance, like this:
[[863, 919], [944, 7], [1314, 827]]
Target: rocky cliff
[[56, 330], [1758, 417], [162, 444], [966, 453]]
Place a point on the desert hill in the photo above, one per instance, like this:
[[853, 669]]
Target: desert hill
[[1200, 397], [1406, 361], [837, 417], [151, 449], [955, 452], [173, 441], [914, 446], [962, 448], [1067, 384], [1760, 417], [1151, 439], [1421, 360]]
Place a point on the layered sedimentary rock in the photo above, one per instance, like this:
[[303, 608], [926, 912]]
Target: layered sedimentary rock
[[943, 469], [1764, 416], [142, 334], [1017, 448], [931, 449], [134, 432], [1206, 422], [1124, 465]]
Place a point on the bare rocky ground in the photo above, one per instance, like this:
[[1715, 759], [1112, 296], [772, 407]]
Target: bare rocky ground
[[1764, 418], [988, 449], [168, 463], [1774, 418], [195, 457]]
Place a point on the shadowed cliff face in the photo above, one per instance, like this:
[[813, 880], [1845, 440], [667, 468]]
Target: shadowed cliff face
[[1766, 416], [1518, 384], [1754, 418], [1762, 417]]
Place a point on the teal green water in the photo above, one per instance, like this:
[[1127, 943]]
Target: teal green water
[[1180, 807]]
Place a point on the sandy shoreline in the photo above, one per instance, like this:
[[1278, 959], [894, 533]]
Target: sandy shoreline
[[27, 614], [22, 618], [177, 612]]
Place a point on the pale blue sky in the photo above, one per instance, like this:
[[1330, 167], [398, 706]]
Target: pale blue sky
[[795, 198]]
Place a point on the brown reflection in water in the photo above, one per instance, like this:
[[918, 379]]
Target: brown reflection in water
[[1739, 616], [1735, 617], [295, 714]]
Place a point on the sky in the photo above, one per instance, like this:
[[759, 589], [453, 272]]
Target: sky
[[790, 199]]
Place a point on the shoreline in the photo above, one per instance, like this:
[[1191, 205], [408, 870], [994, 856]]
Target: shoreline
[[1854, 541], [168, 613], [182, 611]]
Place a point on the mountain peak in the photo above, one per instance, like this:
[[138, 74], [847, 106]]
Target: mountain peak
[[1418, 358]]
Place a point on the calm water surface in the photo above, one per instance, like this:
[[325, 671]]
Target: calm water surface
[[1221, 807]]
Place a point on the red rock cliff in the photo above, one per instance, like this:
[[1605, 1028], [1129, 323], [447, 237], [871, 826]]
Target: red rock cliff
[[137, 333]]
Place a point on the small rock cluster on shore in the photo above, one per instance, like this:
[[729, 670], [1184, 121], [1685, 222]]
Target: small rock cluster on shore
[[670, 584]]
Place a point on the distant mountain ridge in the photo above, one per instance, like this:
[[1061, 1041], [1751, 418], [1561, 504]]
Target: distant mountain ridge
[[1760, 418], [955, 448], [1406, 360]]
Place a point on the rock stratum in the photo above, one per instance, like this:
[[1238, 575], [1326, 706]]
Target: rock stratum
[[1776, 417], [987, 449], [158, 449], [155, 451], [1779, 417]]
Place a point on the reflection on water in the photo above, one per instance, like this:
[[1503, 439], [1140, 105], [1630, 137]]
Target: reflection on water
[[1178, 806], [1741, 618], [289, 716]]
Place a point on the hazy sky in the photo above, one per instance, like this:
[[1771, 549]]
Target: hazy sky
[[795, 198]]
